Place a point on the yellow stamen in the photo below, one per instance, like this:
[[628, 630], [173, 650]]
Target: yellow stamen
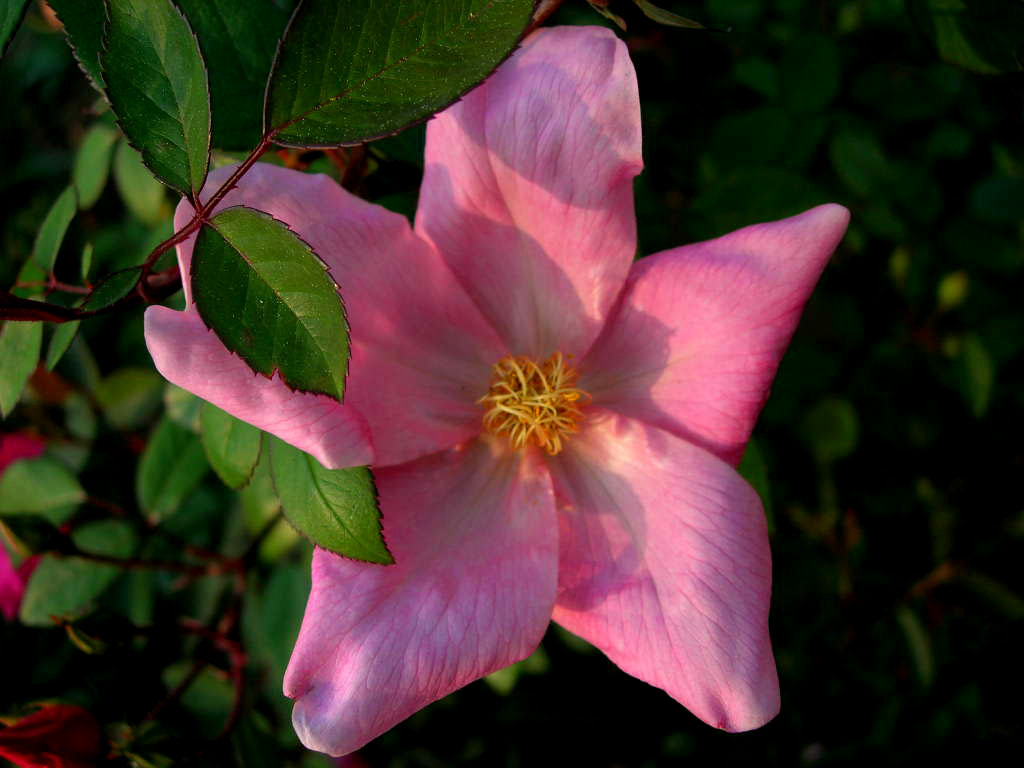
[[530, 402]]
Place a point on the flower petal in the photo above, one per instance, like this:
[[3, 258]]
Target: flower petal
[[528, 189], [695, 341], [421, 352], [473, 534], [188, 354], [14, 447], [665, 567]]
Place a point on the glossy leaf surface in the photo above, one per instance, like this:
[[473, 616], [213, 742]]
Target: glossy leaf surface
[[270, 300]]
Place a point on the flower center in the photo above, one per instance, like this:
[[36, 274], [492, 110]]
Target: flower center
[[534, 402]]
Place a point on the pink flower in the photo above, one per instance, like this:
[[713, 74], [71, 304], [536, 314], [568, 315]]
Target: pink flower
[[513, 313], [13, 580], [55, 736]]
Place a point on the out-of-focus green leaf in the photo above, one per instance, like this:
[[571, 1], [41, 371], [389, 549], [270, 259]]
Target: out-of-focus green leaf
[[861, 164], [209, 698], [348, 73], [984, 36], [919, 644], [62, 337], [142, 194], [231, 445], [171, 467], [52, 230], [810, 73], [504, 680], [977, 373], [36, 534], [952, 290], [999, 198], [157, 86], [83, 23], [336, 508], [129, 396], [92, 164], [1000, 596], [269, 299], [755, 472], [239, 40], [11, 12], [661, 16], [40, 486], [182, 407], [259, 506], [113, 288], [65, 587], [20, 346], [831, 429]]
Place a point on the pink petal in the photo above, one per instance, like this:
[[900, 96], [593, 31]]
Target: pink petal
[[14, 447], [421, 352], [12, 586], [699, 332], [665, 567], [188, 354], [528, 188], [473, 534]]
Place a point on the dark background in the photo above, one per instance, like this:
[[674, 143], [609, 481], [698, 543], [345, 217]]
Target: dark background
[[889, 455]]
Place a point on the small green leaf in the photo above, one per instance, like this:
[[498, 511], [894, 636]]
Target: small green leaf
[[51, 231], [141, 193], [62, 337], [130, 396], [40, 486], [336, 509], [350, 72], [83, 24], [113, 288], [831, 429], [20, 345], [660, 15], [919, 644], [86, 264], [231, 445], [92, 164], [157, 86], [65, 587], [977, 374], [985, 37], [11, 12], [269, 299], [239, 40], [208, 698], [171, 467], [810, 73]]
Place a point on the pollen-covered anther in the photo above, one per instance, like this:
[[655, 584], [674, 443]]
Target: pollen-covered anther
[[530, 402]]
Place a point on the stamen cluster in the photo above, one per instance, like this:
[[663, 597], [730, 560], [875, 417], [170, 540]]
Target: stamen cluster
[[534, 403]]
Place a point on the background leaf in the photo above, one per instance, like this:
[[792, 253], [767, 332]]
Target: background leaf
[[141, 193], [269, 298], [40, 486], [52, 230], [232, 446], [11, 12], [92, 164], [20, 345], [62, 337], [65, 587], [350, 72], [238, 39], [335, 508], [171, 467], [157, 86]]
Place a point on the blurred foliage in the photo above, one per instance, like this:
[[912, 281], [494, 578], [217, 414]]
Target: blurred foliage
[[889, 452]]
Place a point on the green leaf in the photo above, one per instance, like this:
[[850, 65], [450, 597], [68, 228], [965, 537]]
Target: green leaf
[[350, 72], [231, 445], [336, 509], [11, 12], [62, 337], [157, 86], [130, 396], [83, 24], [20, 345], [40, 486], [976, 374], [141, 193], [270, 299], [810, 73], [51, 231], [65, 587], [984, 36], [171, 467], [755, 471], [113, 288], [831, 428], [92, 164], [661, 16], [919, 644], [239, 40]]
